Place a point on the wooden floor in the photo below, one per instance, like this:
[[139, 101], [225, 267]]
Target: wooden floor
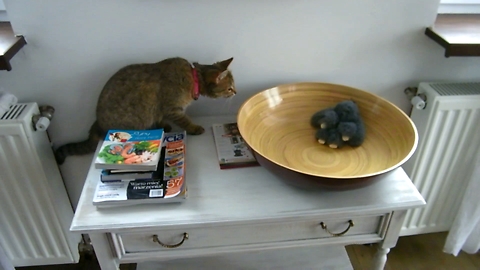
[[419, 252], [85, 263]]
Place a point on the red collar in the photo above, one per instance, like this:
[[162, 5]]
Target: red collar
[[196, 88]]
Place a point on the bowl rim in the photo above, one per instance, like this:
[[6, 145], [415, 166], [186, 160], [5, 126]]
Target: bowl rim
[[398, 164]]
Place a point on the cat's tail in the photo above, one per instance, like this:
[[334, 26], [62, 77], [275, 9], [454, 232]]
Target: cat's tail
[[80, 148]]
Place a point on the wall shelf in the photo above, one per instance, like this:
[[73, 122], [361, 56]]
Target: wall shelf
[[9, 45], [459, 34]]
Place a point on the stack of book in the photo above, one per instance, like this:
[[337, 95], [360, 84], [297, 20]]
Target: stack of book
[[140, 166]]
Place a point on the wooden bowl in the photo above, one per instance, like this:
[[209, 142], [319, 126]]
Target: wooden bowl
[[275, 123]]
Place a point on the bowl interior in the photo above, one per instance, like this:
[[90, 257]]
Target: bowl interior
[[275, 123]]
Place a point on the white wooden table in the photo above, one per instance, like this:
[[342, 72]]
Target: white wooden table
[[241, 210]]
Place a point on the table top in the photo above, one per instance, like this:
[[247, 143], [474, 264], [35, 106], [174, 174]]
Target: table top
[[240, 195]]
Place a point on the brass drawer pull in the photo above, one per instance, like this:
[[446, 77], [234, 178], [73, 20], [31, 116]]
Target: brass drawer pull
[[350, 224], [156, 240]]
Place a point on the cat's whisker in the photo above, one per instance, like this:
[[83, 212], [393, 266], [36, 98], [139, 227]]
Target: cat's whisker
[[227, 104], [229, 101]]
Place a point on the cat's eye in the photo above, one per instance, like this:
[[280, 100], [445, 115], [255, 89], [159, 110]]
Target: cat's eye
[[230, 89]]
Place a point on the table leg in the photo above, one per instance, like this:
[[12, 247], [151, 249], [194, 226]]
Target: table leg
[[380, 258], [390, 240], [103, 251]]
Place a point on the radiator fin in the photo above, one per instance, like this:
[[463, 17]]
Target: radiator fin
[[448, 143], [35, 211], [463, 151], [456, 89], [26, 203], [14, 112]]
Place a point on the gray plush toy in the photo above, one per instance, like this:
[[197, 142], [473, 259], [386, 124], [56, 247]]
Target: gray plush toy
[[339, 125], [352, 133], [347, 111], [330, 137], [324, 119], [350, 123]]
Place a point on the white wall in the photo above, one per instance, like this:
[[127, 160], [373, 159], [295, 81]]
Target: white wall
[[3, 12], [74, 46]]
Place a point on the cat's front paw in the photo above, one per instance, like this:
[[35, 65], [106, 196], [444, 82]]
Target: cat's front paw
[[195, 130]]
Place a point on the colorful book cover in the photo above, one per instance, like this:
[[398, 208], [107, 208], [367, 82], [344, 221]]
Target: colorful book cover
[[166, 185], [174, 144], [130, 150], [232, 151]]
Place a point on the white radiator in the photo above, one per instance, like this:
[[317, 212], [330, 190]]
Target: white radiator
[[448, 129], [35, 211]]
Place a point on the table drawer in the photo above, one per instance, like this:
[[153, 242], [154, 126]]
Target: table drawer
[[232, 235]]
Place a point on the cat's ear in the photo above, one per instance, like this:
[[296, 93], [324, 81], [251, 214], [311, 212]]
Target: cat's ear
[[220, 76], [215, 76], [225, 63]]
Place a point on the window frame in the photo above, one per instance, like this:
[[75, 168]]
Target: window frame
[[3, 12], [459, 7]]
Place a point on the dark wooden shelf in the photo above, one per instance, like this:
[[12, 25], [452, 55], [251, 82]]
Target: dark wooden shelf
[[9, 45], [459, 34]]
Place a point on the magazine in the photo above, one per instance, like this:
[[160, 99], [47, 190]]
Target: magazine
[[141, 191], [166, 185], [130, 150], [127, 175], [232, 151], [112, 176]]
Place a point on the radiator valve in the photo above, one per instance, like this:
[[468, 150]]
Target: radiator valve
[[42, 121], [418, 101]]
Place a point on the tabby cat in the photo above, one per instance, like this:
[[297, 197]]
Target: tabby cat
[[145, 96]]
